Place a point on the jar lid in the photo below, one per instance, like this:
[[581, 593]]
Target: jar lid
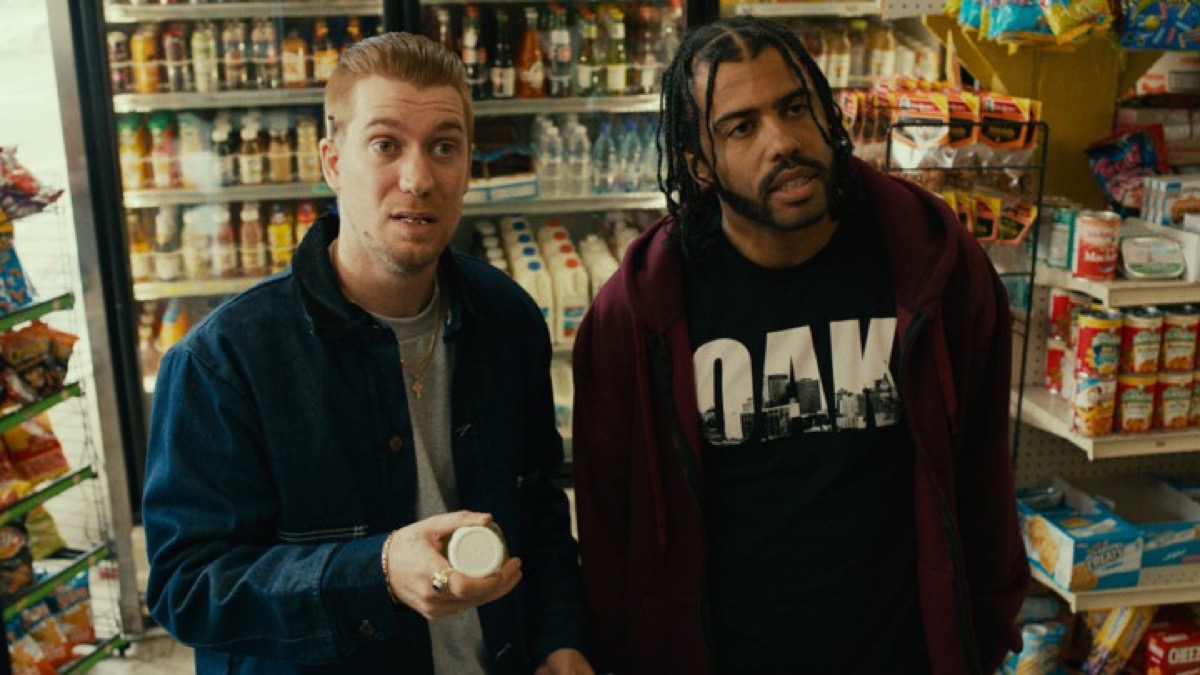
[[476, 551]]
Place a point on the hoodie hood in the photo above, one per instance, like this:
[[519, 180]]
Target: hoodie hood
[[916, 227]]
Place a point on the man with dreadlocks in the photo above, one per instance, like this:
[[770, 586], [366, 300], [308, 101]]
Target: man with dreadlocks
[[791, 446]]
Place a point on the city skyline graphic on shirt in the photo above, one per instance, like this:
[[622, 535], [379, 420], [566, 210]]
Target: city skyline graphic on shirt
[[862, 393]]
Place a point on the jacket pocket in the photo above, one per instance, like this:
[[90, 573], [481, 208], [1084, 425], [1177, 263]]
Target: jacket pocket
[[323, 535]]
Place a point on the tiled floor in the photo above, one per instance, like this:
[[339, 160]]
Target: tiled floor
[[158, 655]]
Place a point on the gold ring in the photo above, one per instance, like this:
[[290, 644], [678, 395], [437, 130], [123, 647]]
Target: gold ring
[[441, 580]]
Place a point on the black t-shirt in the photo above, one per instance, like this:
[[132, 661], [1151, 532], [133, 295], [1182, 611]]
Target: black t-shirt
[[809, 496]]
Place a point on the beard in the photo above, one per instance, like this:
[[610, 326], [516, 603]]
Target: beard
[[757, 208]]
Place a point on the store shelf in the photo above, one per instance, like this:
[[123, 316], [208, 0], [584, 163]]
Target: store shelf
[[102, 651], [240, 10], [557, 205], [1051, 414], [45, 587], [1122, 292], [1174, 584], [36, 310], [139, 199], [158, 290], [780, 10], [640, 103], [51, 490], [127, 103], [39, 406]]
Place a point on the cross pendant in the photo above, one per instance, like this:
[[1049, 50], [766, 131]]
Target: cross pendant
[[417, 386]]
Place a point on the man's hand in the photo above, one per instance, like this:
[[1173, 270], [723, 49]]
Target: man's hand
[[565, 662], [415, 555]]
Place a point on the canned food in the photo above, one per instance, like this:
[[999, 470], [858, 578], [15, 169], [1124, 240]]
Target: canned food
[[1178, 354], [1135, 403], [1064, 306], [1172, 400], [1099, 348], [1194, 408], [1092, 405], [1068, 375], [1056, 348], [1141, 340], [1096, 245], [1057, 227]]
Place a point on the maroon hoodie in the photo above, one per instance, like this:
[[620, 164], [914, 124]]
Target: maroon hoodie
[[639, 466]]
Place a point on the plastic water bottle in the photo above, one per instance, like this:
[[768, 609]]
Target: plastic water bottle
[[604, 161], [550, 164], [578, 162], [629, 158], [649, 178]]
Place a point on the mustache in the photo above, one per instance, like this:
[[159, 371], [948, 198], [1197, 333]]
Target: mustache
[[792, 161]]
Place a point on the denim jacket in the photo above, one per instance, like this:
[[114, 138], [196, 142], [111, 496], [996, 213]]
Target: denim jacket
[[280, 456]]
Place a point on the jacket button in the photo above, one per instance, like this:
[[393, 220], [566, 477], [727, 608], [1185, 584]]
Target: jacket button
[[366, 629], [396, 444]]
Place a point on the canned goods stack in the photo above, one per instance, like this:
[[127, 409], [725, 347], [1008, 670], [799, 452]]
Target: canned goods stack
[[1083, 242], [1123, 371]]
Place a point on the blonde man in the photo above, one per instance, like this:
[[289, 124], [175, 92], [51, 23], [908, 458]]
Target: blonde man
[[318, 438]]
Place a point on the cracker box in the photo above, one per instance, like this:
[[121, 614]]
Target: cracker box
[[1168, 518], [1172, 647], [1077, 540]]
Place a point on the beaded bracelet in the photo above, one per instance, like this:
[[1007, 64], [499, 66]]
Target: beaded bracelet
[[384, 563]]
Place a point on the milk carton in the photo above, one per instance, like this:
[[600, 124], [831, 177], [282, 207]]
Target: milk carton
[[533, 276], [571, 297]]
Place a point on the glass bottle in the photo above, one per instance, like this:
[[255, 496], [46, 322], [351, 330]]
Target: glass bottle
[[530, 68], [589, 67], [279, 155], [168, 253], [176, 66], [561, 54], [250, 157], [504, 74], [646, 53], [264, 44], [472, 56], [204, 57], [308, 154], [143, 51], [306, 216], [141, 259], [234, 53], [353, 33], [296, 57], [325, 54], [253, 243], [839, 59], [225, 251], [617, 60], [280, 241], [164, 167], [445, 34], [225, 164]]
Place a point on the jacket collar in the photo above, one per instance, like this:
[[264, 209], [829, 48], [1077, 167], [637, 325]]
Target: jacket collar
[[330, 312]]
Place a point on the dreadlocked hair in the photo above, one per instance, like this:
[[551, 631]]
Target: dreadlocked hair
[[729, 40]]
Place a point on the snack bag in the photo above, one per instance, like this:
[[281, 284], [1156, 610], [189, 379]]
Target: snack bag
[[16, 562], [44, 539], [1160, 24], [24, 653], [34, 450], [40, 624], [1019, 22], [1122, 161], [20, 193], [1042, 645], [969, 15], [72, 604], [1070, 20]]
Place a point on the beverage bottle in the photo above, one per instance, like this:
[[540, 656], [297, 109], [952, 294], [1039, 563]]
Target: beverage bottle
[[577, 181], [570, 281], [134, 152], [649, 178], [147, 350], [858, 51], [143, 49], [671, 30], [589, 67], [224, 156], [264, 45], [280, 238], [561, 54], [141, 259], [168, 253], [531, 72], [353, 33], [194, 158], [176, 66], [445, 34], [604, 161], [325, 54], [279, 153], [225, 251], [646, 54], [197, 243], [473, 56], [176, 322], [235, 53], [253, 243], [550, 162], [616, 61], [533, 276], [250, 156], [308, 154], [838, 73], [883, 52], [306, 215], [164, 169], [629, 158], [504, 75], [296, 57], [204, 57], [120, 65]]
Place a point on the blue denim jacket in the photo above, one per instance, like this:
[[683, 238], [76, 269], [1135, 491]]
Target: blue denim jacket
[[280, 456]]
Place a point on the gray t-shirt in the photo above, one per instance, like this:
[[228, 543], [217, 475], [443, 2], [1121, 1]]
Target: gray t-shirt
[[458, 646]]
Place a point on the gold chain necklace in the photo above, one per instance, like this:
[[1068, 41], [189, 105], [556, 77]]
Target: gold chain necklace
[[418, 371]]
